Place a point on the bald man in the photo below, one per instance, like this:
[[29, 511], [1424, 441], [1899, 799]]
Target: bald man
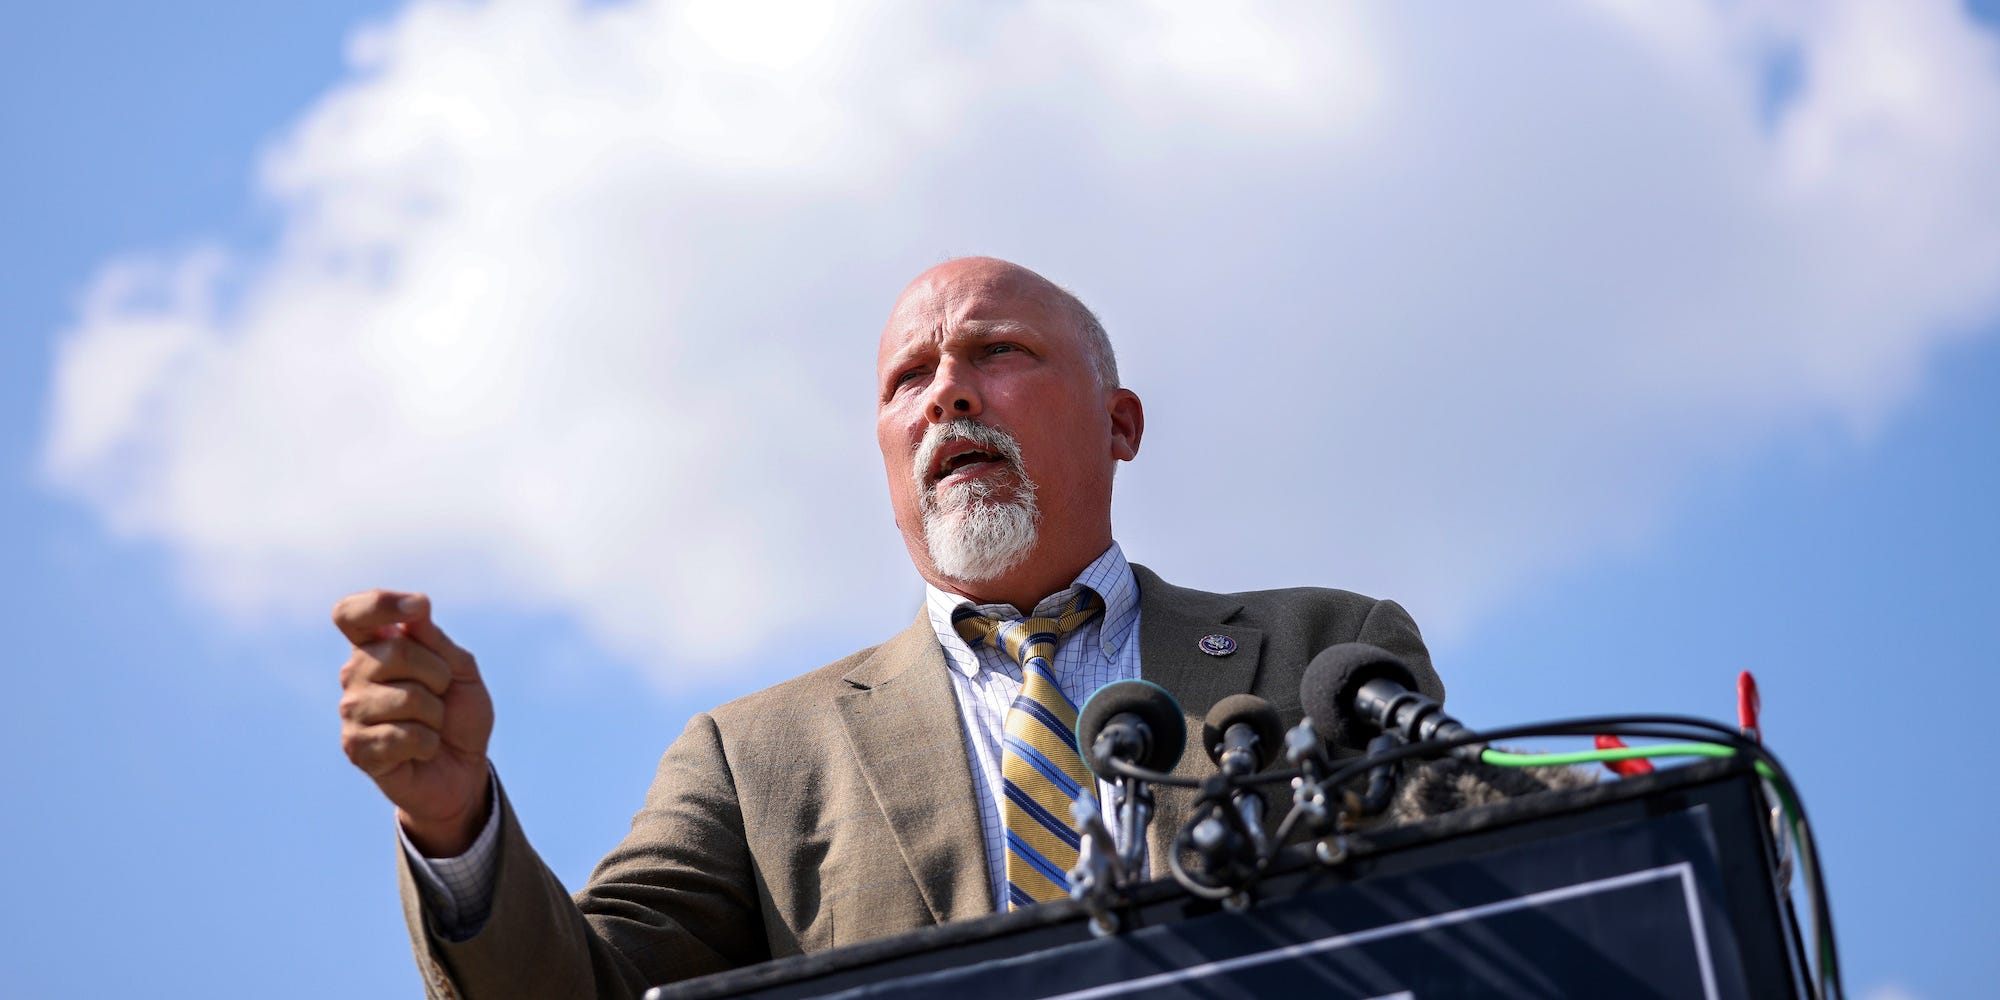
[[862, 798]]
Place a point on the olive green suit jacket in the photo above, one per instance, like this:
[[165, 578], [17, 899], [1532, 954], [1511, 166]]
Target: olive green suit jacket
[[838, 806]]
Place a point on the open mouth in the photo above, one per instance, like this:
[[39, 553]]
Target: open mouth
[[962, 456]]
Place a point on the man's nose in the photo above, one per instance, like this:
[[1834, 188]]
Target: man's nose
[[954, 393]]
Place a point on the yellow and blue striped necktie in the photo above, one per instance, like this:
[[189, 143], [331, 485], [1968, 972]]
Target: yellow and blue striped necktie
[[1041, 773]]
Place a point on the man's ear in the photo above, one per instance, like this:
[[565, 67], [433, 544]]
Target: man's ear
[[1128, 423]]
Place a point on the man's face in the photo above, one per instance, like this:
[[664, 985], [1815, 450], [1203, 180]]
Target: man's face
[[993, 422]]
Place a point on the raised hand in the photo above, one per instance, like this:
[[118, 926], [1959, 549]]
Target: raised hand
[[416, 717]]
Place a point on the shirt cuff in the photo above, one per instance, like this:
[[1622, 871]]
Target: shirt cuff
[[458, 891]]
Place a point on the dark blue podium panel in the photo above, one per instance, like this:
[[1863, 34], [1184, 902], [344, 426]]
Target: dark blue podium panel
[[1581, 916], [1661, 888]]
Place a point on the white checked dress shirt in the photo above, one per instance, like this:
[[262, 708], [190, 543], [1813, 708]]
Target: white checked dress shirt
[[1100, 651]]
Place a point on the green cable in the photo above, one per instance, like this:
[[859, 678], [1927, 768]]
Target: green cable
[[1502, 758]]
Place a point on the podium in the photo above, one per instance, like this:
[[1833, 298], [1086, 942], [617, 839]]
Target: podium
[[1661, 886]]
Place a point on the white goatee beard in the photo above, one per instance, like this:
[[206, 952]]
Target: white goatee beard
[[972, 535]]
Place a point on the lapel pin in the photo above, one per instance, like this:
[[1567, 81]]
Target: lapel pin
[[1217, 644]]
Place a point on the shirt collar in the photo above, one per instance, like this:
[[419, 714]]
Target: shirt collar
[[1109, 575]]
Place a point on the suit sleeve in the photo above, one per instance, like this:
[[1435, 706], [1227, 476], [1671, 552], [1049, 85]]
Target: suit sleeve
[[674, 899], [1389, 627]]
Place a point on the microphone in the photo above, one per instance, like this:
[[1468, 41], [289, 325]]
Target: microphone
[[1242, 734], [1354, 691], [1135, 721]]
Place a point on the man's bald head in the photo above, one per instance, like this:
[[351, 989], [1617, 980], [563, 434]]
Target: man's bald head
[[995, 275], [1001, 423]]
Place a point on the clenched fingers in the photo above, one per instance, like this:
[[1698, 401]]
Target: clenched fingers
[[397, 658], [395, 701], [383, 747]]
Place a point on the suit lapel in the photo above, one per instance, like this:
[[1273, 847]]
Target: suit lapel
[[1172, 623], [909, 742]]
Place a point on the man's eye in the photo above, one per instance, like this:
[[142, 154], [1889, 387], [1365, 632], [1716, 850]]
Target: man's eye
[[1002, 349], [907, 376]]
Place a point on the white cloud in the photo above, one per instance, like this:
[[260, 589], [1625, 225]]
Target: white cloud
[[573, 305]]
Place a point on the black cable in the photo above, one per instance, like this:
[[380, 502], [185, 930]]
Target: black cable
[[1126, 768], [1830, 986], [1645, 726]]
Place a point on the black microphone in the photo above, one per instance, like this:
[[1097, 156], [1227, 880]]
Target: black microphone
[[1355, 691], [1242, 734], [1134, 721]]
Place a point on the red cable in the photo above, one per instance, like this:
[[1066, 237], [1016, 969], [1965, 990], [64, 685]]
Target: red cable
[[1748, 705], [1623, 768]]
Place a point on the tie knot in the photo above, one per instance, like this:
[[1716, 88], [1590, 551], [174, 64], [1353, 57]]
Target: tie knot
[[1026, 639]]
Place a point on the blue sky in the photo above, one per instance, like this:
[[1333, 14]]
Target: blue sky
[[1653, 390]]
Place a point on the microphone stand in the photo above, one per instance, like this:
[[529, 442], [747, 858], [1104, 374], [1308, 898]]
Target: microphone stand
[[1230, 849], [1106, 865], [1100, 871], [1309, 793], [1235, 766], [1135, 815]]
